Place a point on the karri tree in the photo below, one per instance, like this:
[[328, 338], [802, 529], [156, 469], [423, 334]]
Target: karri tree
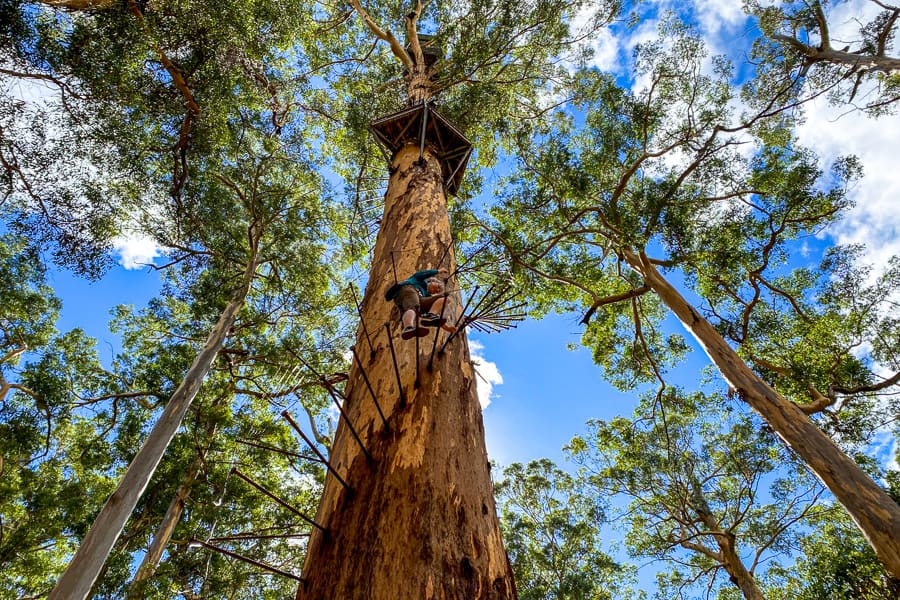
[[704, 490], [255, 214], [413, 511]]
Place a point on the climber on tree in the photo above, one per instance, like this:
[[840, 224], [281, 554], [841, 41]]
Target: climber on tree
[[424, 290]]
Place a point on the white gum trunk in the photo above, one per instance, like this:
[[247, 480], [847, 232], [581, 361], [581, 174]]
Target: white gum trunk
[[86, 565]]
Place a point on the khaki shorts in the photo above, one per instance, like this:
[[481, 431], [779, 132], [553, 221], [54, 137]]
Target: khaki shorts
[[407, 298]]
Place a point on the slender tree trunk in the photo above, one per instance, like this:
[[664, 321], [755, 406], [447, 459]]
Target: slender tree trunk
[[736, 570], [82, 572], [421, 521], [170, 520], [163, 533], [875, 513], [727, 556]]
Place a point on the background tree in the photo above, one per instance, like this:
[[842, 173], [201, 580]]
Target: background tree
[[551, 531], [656, 181], [835, 563], [250, 212], [853, 60], [160, 90], [52, 468], [708, 492]]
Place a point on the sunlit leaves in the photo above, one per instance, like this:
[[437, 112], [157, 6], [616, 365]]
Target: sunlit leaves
[[689, 471], [552, 535]]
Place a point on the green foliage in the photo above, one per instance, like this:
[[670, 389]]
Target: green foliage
[[499, 62], [714, 202], [694, 474], [53, 467], [552, 535], [29, 308], [836, 562]]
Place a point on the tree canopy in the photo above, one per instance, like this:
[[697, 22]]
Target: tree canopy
[[234, 137]]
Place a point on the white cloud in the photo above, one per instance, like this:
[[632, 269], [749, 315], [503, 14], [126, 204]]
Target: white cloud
[[715, 16], [884, 448], [488, 375], [603, 42], [875, 220], [135, 251], [606, 51], [844, 19]]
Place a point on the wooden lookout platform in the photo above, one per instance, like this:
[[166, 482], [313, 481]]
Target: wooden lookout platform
[[423, 125]]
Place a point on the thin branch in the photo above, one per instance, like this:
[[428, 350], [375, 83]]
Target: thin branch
[[612, 300], [381, 34]]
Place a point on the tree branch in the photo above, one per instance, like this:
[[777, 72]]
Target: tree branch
[[173, 71], [875, 387], [381, 34], [412, 35], [14, 353], [612, 300]]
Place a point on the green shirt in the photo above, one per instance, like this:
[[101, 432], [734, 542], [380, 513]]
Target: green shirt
[[418, 280]]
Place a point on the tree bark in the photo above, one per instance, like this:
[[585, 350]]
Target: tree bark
[[170, 520], [82, 572], [727, 556], [421, 522], [736, 570], [859, 62], [875, 513]]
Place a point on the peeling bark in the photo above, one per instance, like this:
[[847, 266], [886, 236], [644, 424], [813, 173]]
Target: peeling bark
[[421, 520]]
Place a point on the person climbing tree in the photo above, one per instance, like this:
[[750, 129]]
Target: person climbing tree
[[423, 290]]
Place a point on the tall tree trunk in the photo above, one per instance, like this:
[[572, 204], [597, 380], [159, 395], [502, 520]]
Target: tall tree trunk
[[875, 513], [82, 572], [170, 520], [421, 521]]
